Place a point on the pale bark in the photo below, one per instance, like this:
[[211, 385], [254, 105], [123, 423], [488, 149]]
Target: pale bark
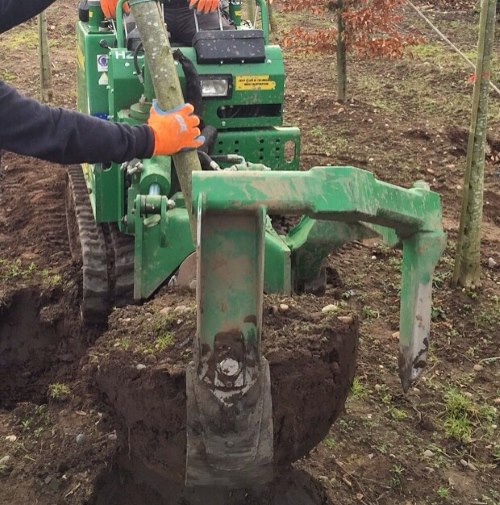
[[341, 54], [46, 91], [467, 262], [167, 87]]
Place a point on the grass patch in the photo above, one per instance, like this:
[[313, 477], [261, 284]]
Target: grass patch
[[15, 271], [370, 313], [397, 476], [7, 76], [397, 414], [163, 341], [123, 343], [329, 441], [358, 389], [443, 492], [59, 391], [488, 316], [25, 38], [36, 421], [462, 416]]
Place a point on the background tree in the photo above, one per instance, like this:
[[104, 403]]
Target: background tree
[[362, 27], [467, 262]]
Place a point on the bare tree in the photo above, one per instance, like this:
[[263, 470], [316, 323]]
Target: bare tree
[[467, 262]]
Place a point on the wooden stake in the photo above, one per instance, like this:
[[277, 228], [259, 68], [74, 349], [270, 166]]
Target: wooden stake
[[46, 90]]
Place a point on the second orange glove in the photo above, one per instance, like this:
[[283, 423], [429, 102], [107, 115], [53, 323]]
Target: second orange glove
[[109, 8], [204, 6]]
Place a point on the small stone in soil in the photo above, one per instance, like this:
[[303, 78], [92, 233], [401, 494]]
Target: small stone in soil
[[329, 308], [5, 460], [80, 438]]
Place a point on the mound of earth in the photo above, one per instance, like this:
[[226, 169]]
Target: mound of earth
[[139, 366]]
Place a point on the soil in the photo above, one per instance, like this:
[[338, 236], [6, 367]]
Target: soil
[[97, 415]]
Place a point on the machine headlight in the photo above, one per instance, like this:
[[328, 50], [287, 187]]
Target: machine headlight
[[215, 86]]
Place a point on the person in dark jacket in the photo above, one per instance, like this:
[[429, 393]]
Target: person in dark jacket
[[64, 136]]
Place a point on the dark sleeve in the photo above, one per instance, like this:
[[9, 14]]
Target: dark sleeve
[[63, 136], [13, 12]]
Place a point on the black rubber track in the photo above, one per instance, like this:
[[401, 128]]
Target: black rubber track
[[88, 247], [122, 271]]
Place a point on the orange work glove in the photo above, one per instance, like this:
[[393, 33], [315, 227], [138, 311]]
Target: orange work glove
[[109, 8], [174, 130], [204, 6]]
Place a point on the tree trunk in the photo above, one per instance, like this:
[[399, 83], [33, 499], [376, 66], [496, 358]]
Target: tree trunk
[[272, 18], [341, 54], [166, 85], [44, 59], [467, 262]]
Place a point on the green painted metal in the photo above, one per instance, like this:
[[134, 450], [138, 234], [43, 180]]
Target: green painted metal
[[343, 193], [277, 147], [95, 15], [156, 258], [277, 263], [91, 67], [124, 88], [312, 240], [165, 243], [108, 193], [109, 87], [119, 24], [229, 412], [157, 170], [235, 12], [242, 257], [260, 85], [421, 252], [264, 16], [347, 195]]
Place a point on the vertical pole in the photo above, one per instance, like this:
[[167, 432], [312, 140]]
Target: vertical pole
[[467, 262], [166, 84], [46, 91], [251, 7], [341, 53]]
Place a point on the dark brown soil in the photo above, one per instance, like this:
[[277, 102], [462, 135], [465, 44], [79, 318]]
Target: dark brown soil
[[311, 359]]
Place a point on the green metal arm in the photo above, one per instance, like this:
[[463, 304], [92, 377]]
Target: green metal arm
[[264, 13], [349, 195], [229, 417], [120, 42]]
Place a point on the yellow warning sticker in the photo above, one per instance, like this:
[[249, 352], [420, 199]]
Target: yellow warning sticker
[[80, 58], [254, 82]]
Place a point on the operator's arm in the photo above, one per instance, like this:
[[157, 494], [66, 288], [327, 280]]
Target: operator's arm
[[63, 136], [14, 12]]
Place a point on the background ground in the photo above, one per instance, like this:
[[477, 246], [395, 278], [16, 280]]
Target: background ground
[[62, 440]]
